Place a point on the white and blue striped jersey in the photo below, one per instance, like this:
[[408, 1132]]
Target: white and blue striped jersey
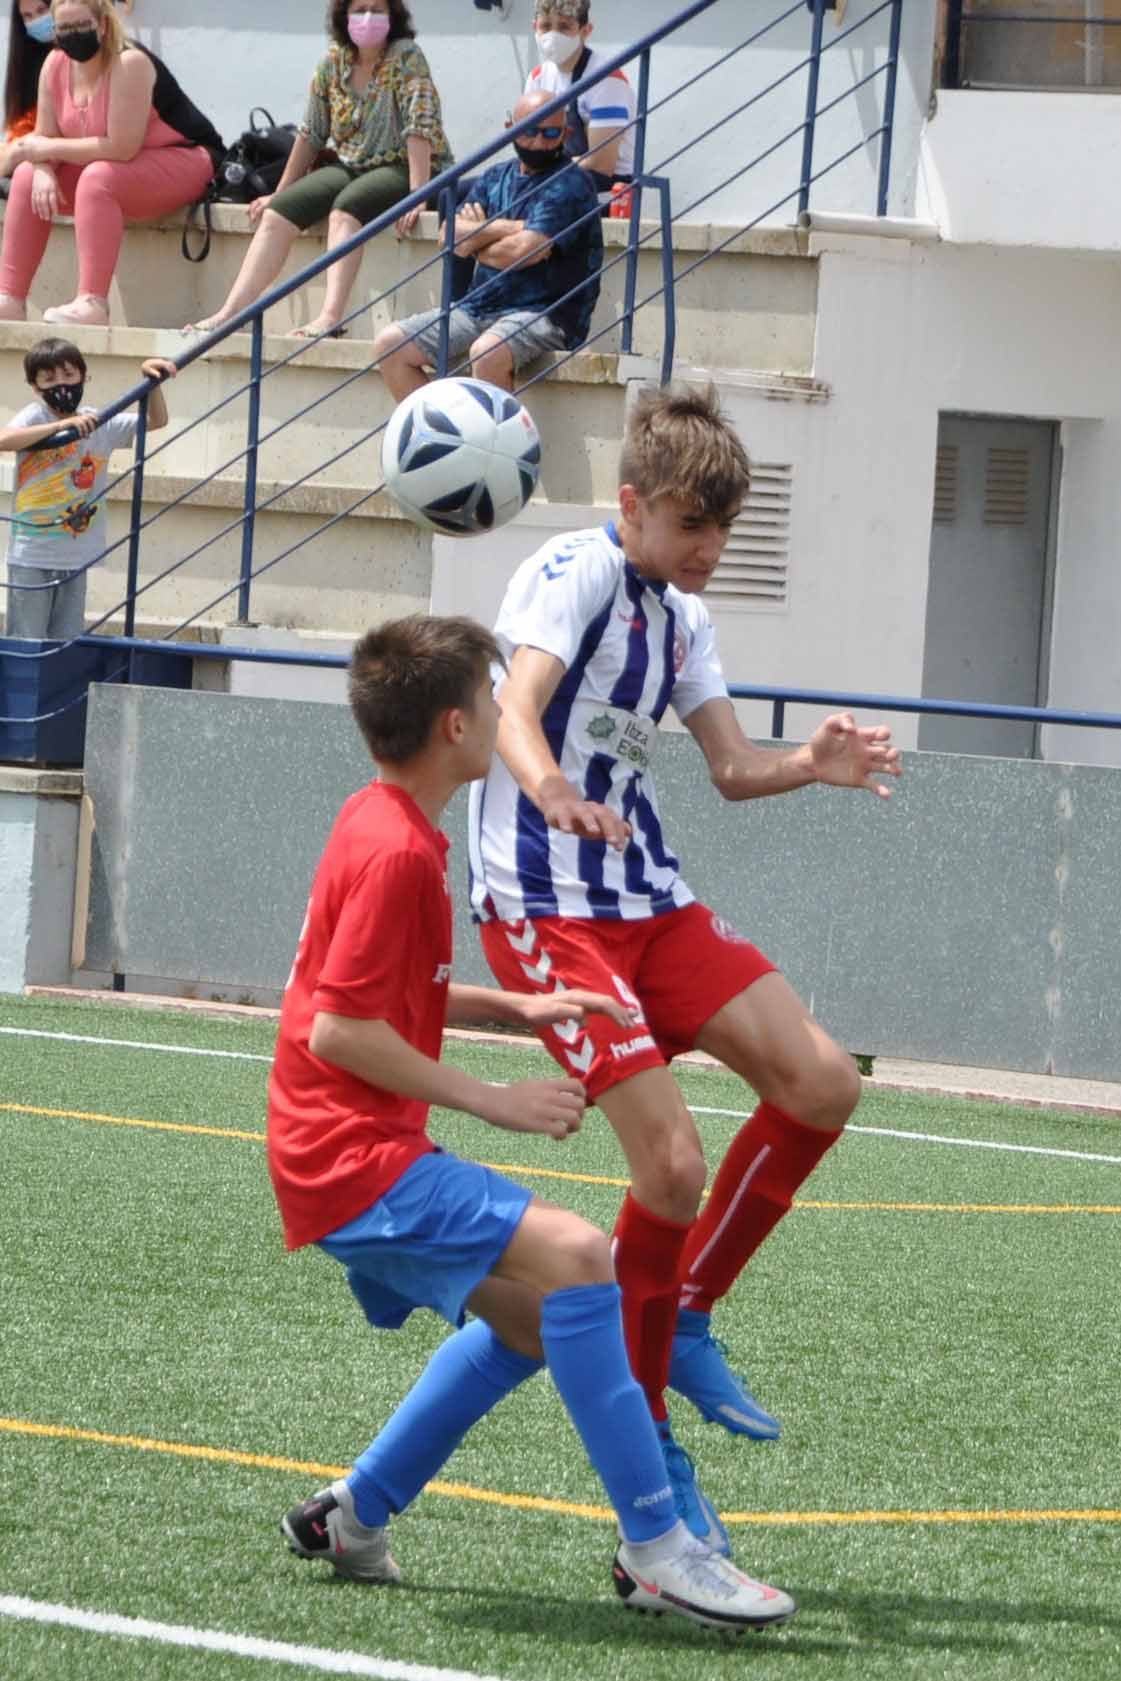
[[630, 649]]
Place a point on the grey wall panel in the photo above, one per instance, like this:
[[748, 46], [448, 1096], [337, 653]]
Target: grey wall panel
[[974, 918]]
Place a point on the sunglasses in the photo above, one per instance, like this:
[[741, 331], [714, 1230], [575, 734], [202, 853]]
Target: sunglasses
[[543, 131]]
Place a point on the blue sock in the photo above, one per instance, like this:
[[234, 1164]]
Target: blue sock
[[465, 1378], [582, 1330]]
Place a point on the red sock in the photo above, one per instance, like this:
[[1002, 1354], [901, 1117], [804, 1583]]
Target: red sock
[[648, 1258], [766, 1162]]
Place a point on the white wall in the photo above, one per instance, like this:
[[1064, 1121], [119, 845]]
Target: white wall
[[1024, 169], [231, 56], [905, 332]]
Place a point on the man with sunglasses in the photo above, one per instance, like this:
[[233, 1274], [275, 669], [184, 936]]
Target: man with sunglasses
[[532, 227]]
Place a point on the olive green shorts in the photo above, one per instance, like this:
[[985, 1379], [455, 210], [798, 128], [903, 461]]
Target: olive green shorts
[[363, 194]]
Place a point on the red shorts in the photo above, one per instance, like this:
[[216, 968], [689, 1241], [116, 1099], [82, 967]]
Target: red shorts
[[679, 969]]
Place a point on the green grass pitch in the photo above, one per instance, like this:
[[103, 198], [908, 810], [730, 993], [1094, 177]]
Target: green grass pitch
[[936, 1325]]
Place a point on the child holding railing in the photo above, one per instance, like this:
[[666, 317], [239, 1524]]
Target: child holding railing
[[62, 463]]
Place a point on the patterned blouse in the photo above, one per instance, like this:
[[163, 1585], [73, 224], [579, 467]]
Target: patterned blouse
[[370, 128]]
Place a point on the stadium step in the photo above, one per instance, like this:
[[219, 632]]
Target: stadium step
[[751, 306], [372, 562]]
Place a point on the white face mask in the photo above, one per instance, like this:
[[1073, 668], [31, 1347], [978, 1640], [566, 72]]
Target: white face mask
[[554, 47]]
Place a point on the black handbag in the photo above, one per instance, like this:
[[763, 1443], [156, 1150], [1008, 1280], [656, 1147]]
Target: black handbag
[[251, 169]]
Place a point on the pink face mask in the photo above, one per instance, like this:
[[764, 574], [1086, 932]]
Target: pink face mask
[[368, 29]]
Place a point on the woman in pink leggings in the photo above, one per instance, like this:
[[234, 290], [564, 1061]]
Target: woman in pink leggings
[[115, 137]]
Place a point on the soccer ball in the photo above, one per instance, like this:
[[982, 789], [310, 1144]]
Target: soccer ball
[[461, 456]]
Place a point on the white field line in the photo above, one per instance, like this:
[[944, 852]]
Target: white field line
[[133, 1044], [214, 1640], [698, 1109]]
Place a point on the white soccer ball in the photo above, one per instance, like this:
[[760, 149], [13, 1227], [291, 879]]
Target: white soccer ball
[[461, 456]]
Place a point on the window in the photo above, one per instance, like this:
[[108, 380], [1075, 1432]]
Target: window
[[1060, 45]]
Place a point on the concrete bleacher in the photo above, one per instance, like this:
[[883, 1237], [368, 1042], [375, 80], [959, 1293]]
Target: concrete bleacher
[[751, 307]]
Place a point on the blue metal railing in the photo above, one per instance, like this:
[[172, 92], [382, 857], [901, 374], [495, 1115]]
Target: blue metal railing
[[779, 696], [443, 188]]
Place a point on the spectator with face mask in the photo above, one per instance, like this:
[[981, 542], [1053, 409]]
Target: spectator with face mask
[[30, 38], [532, 228], [61, 468], [115, 136], [599, 128], [375, 105]]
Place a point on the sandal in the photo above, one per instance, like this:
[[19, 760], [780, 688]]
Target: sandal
[[311, 332]]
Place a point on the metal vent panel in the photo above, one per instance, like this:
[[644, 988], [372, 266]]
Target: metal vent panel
[[946, 484], [754, 566], [1006, 486]]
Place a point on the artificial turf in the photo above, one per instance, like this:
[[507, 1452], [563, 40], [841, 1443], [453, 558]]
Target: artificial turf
[[925, 1358]]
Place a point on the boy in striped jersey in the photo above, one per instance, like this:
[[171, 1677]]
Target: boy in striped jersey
[[576, 886]]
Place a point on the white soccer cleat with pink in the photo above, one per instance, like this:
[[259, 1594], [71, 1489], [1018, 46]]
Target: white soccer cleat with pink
[[697, 1583]]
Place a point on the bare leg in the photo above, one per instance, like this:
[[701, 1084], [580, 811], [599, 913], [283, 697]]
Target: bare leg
[[340, 278], [264, 260], [768, 1037], [492, 359], [401, 364]]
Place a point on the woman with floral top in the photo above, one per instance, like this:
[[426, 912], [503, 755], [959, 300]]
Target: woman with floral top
[[374, 104]]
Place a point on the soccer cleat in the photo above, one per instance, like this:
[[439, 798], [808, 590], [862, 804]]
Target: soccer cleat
[[325, 1527], [699, 1370], [697, 1583], [696, 1512]]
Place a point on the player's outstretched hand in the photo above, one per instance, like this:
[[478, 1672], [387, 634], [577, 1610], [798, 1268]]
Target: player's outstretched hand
[[564, 809], [852, 757], [543, 1009], [554, 1107]]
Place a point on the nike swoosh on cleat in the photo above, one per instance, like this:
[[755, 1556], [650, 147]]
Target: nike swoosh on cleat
[[750, 1419]]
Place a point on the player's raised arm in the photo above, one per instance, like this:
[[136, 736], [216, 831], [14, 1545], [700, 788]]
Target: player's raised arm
[[532, 682], [839, 752]]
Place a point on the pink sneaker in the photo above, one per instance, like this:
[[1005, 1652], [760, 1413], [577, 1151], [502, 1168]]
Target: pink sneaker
[[84, 311], [12, 309]]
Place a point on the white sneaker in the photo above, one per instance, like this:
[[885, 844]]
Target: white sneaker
[[699, 1584], [325, 1527]]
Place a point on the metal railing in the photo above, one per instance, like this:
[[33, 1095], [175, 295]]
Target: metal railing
[[444, 189], [779, 696]]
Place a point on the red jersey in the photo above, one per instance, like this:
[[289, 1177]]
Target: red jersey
[[376, 944]]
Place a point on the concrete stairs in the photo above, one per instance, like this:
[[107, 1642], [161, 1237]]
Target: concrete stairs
[[752, 307]]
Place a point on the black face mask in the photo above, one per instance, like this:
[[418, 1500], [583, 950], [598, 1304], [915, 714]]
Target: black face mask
[[537, 161], [64, 399], [83, 45]]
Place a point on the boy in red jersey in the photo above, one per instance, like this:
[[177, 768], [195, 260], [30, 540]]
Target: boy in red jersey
[[577, 885], [357, 1065]]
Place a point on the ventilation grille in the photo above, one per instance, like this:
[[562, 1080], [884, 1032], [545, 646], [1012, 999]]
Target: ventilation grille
[[946, 484], [753, 568], [1006, 487]]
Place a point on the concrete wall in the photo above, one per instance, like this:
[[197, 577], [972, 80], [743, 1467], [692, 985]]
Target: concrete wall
[[973, 919], [1007, 168], [39, 824], [480, 61]]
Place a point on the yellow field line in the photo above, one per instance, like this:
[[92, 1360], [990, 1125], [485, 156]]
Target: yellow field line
[[534, 1502], [128, 1121], [597, 1178], [969, 1207]]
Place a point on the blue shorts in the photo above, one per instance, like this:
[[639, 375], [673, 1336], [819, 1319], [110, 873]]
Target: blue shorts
[[430, 1240]]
